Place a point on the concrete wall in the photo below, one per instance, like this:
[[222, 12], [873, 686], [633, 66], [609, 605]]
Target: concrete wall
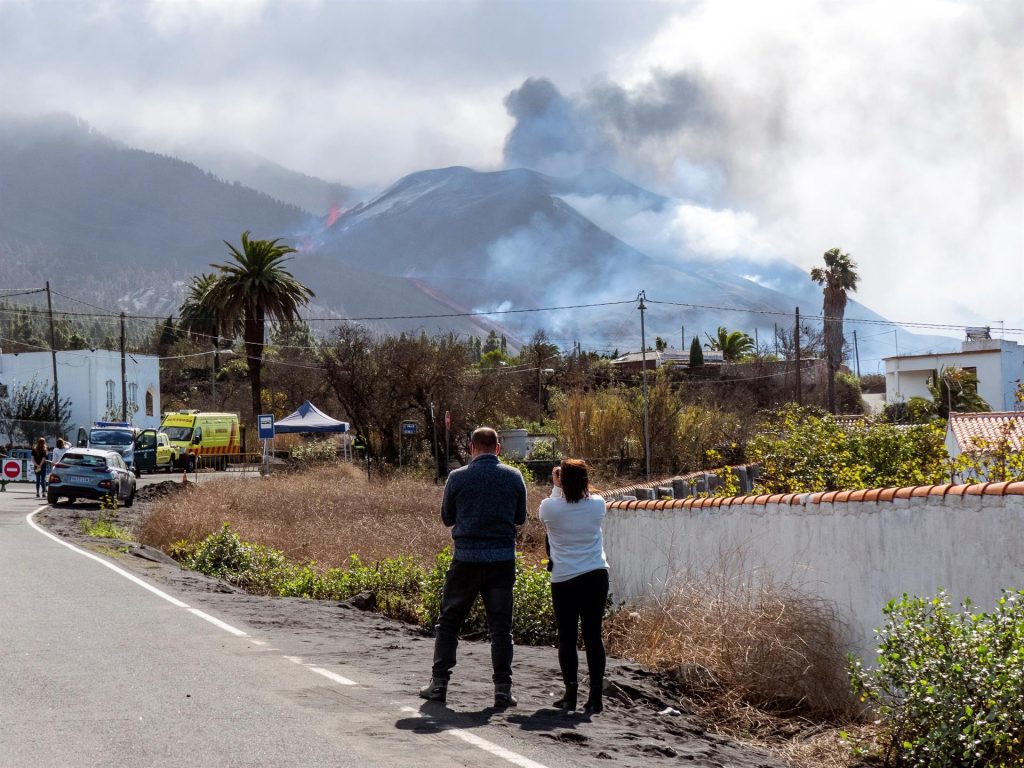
[[84, 376], [857, 554]]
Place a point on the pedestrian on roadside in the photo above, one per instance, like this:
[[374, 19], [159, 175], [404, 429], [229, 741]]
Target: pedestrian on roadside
[[579, 577], [41, 464], [483, 503], [60, 450]]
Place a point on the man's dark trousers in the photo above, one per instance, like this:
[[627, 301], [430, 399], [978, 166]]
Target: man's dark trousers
[[463, 582]]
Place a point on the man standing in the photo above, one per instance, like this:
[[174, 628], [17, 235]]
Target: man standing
[[483, 503]]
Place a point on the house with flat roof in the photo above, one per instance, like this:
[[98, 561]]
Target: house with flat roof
[[998, 364], [91, 381]]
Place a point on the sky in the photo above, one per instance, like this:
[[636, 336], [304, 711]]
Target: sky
[[892, 130]]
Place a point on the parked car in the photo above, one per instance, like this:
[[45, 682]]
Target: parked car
[[89, 473], [153, 451]]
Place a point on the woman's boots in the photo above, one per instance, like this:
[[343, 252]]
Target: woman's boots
[[568, 700], [595, 702]]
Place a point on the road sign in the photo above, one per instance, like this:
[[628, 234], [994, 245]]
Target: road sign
[[12, 469], [266, 426], [409, 427]]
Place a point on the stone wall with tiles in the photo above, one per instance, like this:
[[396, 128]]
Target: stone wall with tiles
[[855, 549]]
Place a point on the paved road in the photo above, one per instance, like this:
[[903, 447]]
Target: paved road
[[96, 670]]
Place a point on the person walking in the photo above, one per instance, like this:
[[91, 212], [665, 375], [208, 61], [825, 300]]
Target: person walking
[[41, 464], [483, 503], [579, 577]]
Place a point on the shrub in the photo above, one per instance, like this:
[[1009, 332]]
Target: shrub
[[751, 640], [315, 452], [102, 528], [949, 685], [802, 451], [544, 450], [525, 470]]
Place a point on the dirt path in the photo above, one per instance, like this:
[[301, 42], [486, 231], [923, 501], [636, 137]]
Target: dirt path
[[644, 722]]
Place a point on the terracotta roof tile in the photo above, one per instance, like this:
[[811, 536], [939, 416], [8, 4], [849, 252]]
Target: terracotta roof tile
[[842, 496], [939, 490], [903, 493], [970, 428], [887, 494], [815, 498], [995, 489], [873, 494], [920, 490], [1015, 489], [957, 490], [976, 490], [858, 495], [775, 498], [790, 498]]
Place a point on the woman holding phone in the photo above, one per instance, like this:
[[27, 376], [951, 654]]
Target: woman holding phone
[[579, 577]]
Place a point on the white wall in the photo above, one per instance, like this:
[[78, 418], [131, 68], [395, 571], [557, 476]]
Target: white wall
[[82, 378], [857, 555]]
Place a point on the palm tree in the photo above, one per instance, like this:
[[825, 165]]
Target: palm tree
[[202, 322], [838, 277], [733, 345], [251, 289]]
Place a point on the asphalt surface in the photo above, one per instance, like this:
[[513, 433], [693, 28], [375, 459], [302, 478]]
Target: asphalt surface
[[98, 670]]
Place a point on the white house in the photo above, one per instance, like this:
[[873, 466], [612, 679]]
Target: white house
[[91, 381], [998, 364]]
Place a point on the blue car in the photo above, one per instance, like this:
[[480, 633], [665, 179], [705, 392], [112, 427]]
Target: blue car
[[90, 473]]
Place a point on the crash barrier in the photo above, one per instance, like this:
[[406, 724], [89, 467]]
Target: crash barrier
[[230, 462], [855, 550]]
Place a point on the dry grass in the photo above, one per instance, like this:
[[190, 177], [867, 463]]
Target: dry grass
[[765, 662], [325, 515]]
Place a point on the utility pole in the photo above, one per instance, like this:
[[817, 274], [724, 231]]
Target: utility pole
[[53, 356], [643, 358], [776, 337], [124, 377], [799, 384], [856, 351], [682, 338], [757, 344]]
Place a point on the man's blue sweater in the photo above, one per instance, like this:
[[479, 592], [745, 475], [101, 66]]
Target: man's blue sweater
[[485, 501]]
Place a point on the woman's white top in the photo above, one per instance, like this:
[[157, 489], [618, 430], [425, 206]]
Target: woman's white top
[[574, 533]]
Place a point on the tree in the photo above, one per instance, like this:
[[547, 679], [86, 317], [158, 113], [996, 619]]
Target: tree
[[733, 345], [838, 278], [955, 389], [27, 409], [660, 344], [251, 289], [202, 322], [696, 353]]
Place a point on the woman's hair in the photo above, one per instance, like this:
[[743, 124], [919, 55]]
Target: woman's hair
[[575, 479], [40, 441]]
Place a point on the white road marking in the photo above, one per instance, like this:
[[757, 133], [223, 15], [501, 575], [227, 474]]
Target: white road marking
[[470, 738], [218, 623], [332, 676], [104, 562], [487, 746]]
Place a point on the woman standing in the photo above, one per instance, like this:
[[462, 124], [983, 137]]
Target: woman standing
[[41, 464], [579, 577]]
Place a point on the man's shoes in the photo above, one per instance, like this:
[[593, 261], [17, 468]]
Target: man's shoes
[[435, 690], [503, 697]]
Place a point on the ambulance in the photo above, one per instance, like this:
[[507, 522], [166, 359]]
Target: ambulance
[[210, 436]]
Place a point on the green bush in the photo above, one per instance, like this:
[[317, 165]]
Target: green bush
[[544, 450], [949, 685], [402, 589], [800, 450], [527, 472]]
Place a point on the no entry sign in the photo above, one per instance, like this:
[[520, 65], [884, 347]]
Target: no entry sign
[[12, 469]]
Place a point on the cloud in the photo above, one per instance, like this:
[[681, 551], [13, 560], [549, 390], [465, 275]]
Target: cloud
[[891, 130]]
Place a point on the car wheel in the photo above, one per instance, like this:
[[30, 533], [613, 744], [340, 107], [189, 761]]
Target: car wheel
[[190, 463], [51, 499], [131, 499]]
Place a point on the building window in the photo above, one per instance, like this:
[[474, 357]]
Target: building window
[[110, 394], [149, 402], [133, 396]]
